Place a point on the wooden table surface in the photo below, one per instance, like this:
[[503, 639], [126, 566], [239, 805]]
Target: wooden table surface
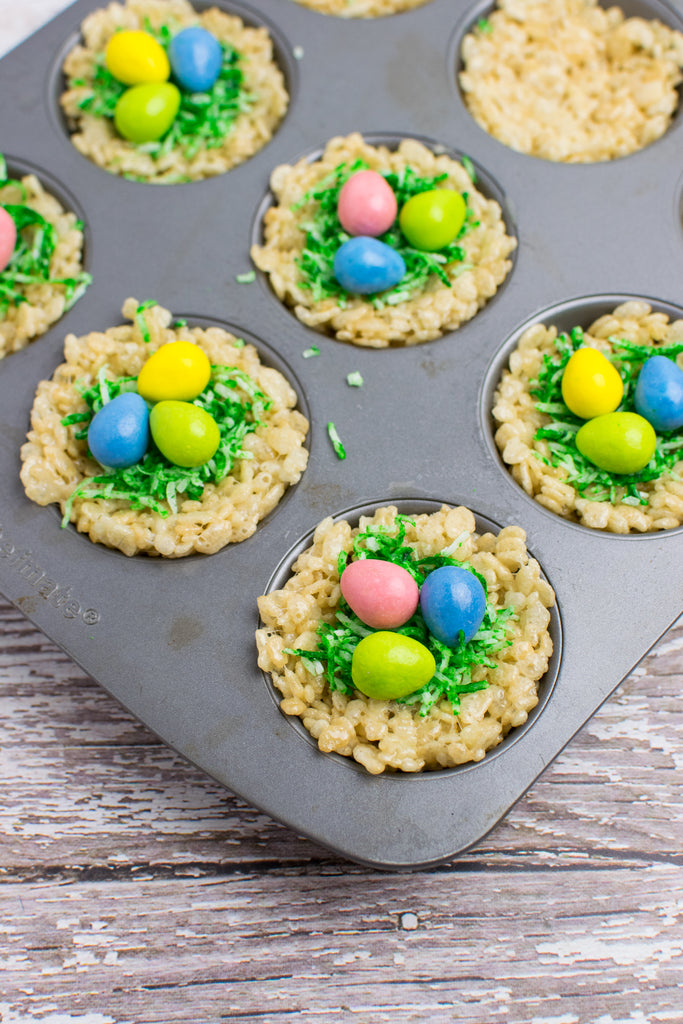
[[133, 889]]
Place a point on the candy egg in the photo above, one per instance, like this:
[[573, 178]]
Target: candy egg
[[118, 434], [187, 435], [134, 57], [618, 442], [8, 237], [591, 385], [430, 220], [365, 265], [145, 112], [659, 393], [178, 370], [196, 59], [452, 600], [366, 204], [389, 665], [383, 595]]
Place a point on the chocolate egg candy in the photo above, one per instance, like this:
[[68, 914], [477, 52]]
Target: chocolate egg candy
[[187, 435], [431, 220], [591, 385], [145, 112], [452, 601], [366, 204], [659, 393], [196, 59], [178, 370], [387, 665], [8, 237], [134, 57], [118, 434], [383, 595], [364, 265], [618, 442]]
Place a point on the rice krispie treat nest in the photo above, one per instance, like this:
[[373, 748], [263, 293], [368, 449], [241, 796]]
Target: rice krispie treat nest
[[27, 310], [361, 8], [570, 80], [404, 735], [438, 305], [559, 481], [56, 462], [262, 103]]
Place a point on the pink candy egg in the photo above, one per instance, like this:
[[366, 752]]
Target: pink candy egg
[[8, 238], [382, 595], [366, 204]]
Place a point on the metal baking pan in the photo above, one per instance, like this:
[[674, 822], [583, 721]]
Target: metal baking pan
[[173, 641]]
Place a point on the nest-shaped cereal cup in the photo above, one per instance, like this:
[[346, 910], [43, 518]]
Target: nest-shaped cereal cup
[[427, 732], [550, 468], [570, 80], [58, 467], [234, 125], [361, 8], [439, 303]]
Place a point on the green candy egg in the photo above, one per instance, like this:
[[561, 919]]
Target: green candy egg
[[431, 220], [145, 112], [389, 665], [618, 442], [187, 435]]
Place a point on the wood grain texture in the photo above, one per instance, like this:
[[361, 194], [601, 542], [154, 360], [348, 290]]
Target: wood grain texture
[[135, 890]]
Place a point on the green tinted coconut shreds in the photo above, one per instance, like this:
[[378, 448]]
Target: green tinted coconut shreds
[[332, 657], [30, 263], [560, 435], [324, 235], [204, 118], [231, 397]]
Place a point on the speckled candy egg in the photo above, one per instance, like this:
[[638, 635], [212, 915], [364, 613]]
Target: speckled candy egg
[[452, 600], [432, 219], [118, 434], [365, 265], [618, 442], [387, 665], [591, 385], [366, 204], [8, 237], [383, 595], [196, 59], [134, 57], [145, 112], [178, 370], [187, 435], [659, 393]]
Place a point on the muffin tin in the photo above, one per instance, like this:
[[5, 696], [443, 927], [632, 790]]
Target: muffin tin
[[173, 641]]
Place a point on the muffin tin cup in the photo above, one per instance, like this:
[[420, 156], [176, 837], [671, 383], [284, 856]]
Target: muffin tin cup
[[173, 641]]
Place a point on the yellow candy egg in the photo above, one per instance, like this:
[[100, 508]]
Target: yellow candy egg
[[135, 57], [591, 385], [177, 371]]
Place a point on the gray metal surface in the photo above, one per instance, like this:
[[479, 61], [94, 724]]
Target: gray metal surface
[[173, 641]]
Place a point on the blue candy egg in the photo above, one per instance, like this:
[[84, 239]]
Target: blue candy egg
[[364, 265], [119, 433], [658, 396], [196, 59], [451, 600]]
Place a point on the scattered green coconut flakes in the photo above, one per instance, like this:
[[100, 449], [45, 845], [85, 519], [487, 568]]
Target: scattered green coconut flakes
[[324, 236], [336, 441], [36, 242], [248, 277], [203, 120], [309, 353], [142, 322], [354, 379], [237, 405], [337, 640], [560, 435]]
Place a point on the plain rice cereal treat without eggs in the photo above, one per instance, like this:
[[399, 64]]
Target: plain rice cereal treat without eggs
[[571, 80], [234, 126], [480, 691], [538, 446], [361, 8], [440, 291], [178, 516]]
